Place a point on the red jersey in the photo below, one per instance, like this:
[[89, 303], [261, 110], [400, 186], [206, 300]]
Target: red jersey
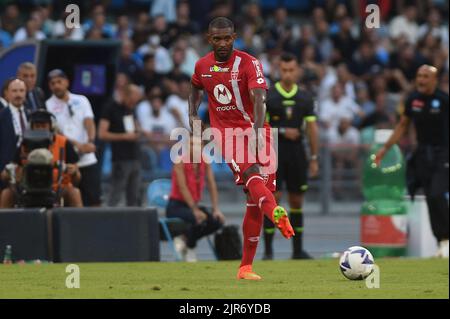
[[228, 86], [195, 180]]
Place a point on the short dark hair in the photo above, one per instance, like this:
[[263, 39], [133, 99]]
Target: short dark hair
[[221, 23], [288, 57], [5, 86]]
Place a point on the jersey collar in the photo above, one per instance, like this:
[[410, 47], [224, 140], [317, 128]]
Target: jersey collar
[[284, 93]]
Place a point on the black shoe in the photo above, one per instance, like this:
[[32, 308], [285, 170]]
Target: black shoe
[[302, 255], [267, 257]]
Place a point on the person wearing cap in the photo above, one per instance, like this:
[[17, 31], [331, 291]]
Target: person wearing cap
[[427, 108], [75, 120], [43, 120]]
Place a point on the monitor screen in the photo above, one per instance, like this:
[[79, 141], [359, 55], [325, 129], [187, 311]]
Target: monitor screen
[[89, 79]]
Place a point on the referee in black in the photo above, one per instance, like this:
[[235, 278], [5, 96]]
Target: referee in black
[[288, 109], [427, 107]]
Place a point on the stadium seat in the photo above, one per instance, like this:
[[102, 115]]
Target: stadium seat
[[158, 195]]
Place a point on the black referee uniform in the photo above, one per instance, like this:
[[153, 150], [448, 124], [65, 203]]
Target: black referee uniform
[[428, 166], [289, 110]]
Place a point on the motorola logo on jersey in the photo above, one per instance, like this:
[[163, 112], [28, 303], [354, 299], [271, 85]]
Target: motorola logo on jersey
[[222, 94], [226, 108]]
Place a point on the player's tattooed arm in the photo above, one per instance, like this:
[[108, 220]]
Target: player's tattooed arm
[[195, 97], [258, 97]]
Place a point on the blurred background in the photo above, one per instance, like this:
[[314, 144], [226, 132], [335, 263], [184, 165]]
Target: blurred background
[[155, 44]]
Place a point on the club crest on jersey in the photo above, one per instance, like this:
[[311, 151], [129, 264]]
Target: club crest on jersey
[[265, 178], [234, 75], [417, 105], [222, 94], [216, 68]]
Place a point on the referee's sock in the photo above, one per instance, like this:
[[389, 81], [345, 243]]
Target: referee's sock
[[296, 217], [269, 230]]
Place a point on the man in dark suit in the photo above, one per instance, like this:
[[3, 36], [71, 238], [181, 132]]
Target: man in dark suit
[[3, 101], [13, 121], [35, 98]]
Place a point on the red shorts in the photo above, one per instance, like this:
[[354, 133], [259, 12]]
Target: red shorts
[[240, 156]]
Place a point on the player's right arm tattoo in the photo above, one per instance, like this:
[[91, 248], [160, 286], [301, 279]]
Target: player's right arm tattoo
[[258, 97], [195, 97]]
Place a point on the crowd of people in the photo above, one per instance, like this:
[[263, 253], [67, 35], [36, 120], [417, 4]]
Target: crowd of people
[[359, 75]]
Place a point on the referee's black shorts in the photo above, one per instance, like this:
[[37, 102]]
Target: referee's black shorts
[[90, 186], [292, 168]]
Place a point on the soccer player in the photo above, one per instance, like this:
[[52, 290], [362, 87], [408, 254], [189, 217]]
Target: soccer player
[[289, 108], [236, 89]]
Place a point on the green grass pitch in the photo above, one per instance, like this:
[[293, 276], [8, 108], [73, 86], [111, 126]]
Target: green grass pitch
[[400, 278]]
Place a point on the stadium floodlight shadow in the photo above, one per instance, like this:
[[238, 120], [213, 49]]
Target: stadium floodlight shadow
[[158, 192]]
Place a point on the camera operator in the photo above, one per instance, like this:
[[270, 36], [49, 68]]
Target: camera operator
[[41, 120]]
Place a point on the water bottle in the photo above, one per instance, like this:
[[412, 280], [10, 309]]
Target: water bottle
[[384, 212], [7, 258]]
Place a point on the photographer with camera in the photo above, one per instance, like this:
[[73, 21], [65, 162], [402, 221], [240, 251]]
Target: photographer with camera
[[61, 157]]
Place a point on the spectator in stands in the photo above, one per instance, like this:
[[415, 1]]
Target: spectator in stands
[[364, 101], [98, 22], [45, 12], [118, 125], [434, 26], [156, 121], [312, 71], [166, 8], [171, 80], [141, 29], [405, 24], [75, 120], [183, 26], [35, 95], [31, 31], [5, 38], [148, 77], [402, 66], [340, 74], [430, 48], [123, 30], [122, 82], [344, 42], [13, 120], [61, 31], [177, 103], [163, 62], [280, 31], [188, 181], [365, 63], [337, 107], [381, 117], [344, 144], [324, 43], [11, 18], [159, 28], [129, 63]]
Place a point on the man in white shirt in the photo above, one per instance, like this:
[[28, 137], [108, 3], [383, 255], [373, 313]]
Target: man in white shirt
[[29, 32], [178, 103], [405, 24], [75, 120], [156, 122], [335, 108]]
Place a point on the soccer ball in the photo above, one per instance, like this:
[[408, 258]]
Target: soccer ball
[[356, 263]]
